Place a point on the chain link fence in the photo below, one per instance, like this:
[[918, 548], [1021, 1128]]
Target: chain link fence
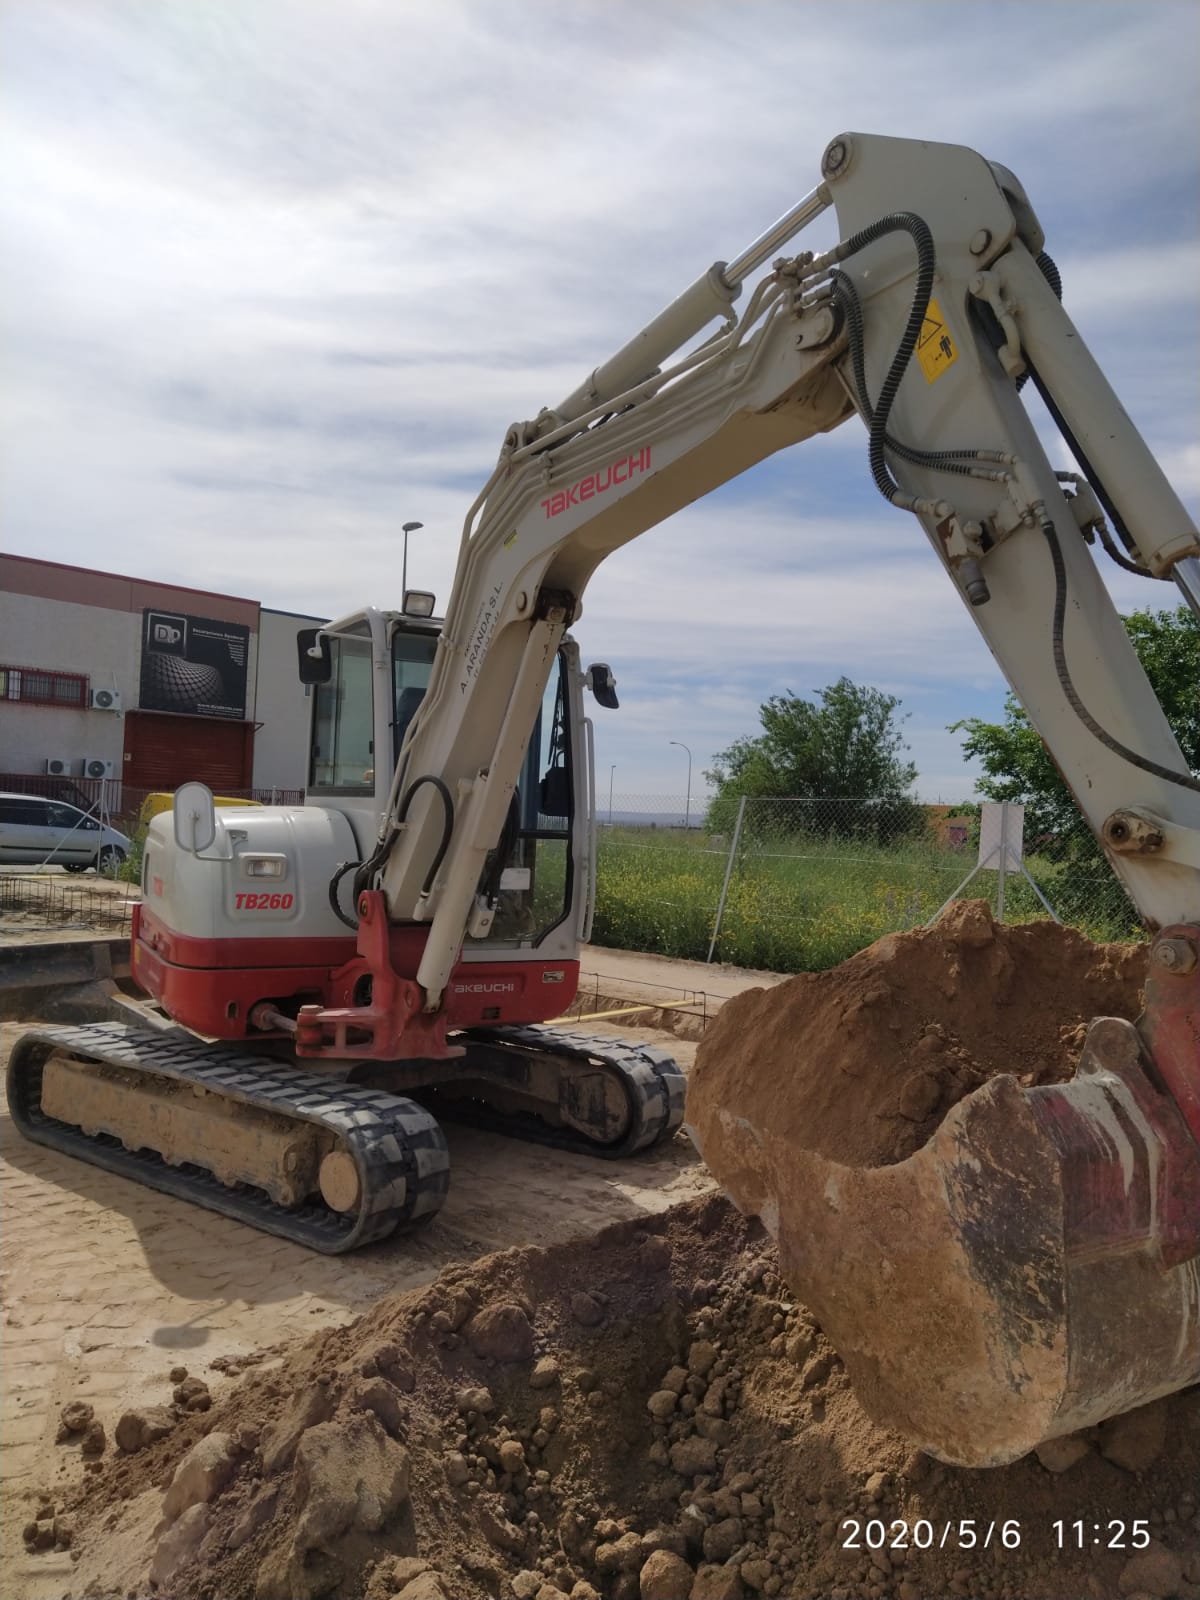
[[795, 885]]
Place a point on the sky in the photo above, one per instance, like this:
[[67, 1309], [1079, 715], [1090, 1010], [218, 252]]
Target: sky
[[279, 275]]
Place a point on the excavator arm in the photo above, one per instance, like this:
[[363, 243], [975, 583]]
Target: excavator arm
[[924, 319], [1051, 1236]]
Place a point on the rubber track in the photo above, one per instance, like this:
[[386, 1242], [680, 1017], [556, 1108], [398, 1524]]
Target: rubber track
[[398, 1148], [653, 1081]]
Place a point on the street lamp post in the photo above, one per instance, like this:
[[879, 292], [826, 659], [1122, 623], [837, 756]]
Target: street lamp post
[[409, 527], [687, 805], [611, 771]]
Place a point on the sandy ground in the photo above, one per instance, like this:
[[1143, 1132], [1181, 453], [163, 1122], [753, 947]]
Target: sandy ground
[[105, 1285]]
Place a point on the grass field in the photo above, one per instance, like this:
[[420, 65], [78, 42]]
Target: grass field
[[796, 903], [801, 904]]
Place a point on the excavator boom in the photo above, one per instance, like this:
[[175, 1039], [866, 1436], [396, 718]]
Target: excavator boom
[[1032, 1214]]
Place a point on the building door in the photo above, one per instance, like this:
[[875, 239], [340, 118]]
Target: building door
[[162, 751]]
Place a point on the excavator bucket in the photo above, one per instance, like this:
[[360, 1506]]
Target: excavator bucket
[[1031, 1269]]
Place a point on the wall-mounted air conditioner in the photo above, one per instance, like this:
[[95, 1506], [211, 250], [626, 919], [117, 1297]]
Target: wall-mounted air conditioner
[[97, 767], [106, 700], [59, 766]]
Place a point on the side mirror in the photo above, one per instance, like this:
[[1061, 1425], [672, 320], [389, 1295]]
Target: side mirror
[[315, 656], [599, 679], [194, 817]]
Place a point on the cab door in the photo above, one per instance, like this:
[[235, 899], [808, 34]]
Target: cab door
[[531, 874]]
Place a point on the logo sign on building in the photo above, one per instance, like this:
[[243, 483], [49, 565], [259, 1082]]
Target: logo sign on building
[[194, 666]]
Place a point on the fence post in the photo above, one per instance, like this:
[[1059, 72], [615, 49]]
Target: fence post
[[737, 834], [1003, 861]]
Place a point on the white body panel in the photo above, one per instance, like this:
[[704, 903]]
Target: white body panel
[[200, 893]]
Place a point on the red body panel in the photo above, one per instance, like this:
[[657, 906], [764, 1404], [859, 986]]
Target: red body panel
[[211, 985]]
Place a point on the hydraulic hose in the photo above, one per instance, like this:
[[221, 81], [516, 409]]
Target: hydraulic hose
[[1144, 763], [447, 824], [366, 870], [1123, 561], [962, 461], [896, 222], [335, 884], [1048, 268]]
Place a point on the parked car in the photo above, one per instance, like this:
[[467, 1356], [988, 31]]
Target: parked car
[[34, 830]]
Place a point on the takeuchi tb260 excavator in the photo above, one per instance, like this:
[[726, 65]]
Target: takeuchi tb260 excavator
[[410, 930]]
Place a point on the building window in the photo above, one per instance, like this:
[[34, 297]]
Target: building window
[[37, 686]]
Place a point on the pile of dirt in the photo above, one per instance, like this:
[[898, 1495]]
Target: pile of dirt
[[643, 1415], [860, 1063]]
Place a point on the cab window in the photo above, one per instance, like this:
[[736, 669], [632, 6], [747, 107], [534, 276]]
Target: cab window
[[343, 752], [412, 664]]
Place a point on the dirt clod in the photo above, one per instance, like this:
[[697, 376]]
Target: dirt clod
[[1060, 1455], [95, 1441], [75, 1418], [179, 1543], [586, 1309], [1154, 1571], [192, 1394], [501, 1333], [425, 1586], [664, 1576], [1135, 1440], [142, 1426], [545, 1373], [203, 1473], [717, 1583]]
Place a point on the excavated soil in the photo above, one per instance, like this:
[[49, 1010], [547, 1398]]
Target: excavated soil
[[645, 1414], [860, 1063]]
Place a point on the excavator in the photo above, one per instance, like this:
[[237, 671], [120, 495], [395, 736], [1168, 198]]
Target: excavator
[[338, 973]]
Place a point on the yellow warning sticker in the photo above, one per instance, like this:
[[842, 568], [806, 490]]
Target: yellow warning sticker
[[936, 350]]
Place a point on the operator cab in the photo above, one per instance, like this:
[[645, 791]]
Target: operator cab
[[369, 673]]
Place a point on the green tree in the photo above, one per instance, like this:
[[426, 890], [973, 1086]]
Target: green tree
[[1017, 766], [843, 745]]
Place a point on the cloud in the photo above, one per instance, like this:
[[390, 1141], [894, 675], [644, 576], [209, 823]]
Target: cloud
[[280, 276]]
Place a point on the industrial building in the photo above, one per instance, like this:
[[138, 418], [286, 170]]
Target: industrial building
[[112, 687]]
